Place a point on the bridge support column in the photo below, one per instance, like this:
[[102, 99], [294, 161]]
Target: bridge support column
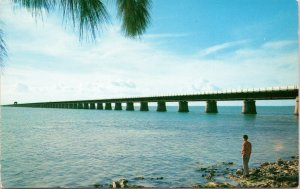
[[75, 106], [86, 105], [99, 106], [161, 106], [71, 106], [296, 111], [118, 106], [249, 107], [108, 106], [144, 106], [211, 106], [80, 106], [129, 106], [183, 106], [92, 106]]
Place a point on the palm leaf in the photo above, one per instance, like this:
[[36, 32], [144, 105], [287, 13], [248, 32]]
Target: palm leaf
[[36, 7], [134, 15], [3, 52], [88, 15]]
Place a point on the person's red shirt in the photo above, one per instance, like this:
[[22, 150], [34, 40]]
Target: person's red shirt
[[246, 149]]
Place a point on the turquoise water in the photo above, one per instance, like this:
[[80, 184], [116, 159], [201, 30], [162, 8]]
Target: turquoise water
[[79, 148]]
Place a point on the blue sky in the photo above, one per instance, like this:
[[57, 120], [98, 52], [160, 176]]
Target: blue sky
[[189, 47]]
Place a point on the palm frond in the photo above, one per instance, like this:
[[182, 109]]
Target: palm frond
[[3, 51], [36, 7], [88, 15], [134, 15]]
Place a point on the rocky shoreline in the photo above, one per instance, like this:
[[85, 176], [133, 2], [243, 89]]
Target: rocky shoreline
[[283, 174], [279, 174]]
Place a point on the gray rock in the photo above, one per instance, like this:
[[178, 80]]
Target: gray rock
[[280, 162], [122, 183], [239, 172]]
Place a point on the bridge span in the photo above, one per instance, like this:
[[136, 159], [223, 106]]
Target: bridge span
[[248, 96]]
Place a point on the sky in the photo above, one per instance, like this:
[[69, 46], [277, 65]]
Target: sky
[[189, 47]]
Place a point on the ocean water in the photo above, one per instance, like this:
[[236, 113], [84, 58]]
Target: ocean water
[[79, 148]]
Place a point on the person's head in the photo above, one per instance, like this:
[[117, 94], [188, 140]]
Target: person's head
[[245, 137]]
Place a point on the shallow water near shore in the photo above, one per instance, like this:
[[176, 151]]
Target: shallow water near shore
[[79, 148]]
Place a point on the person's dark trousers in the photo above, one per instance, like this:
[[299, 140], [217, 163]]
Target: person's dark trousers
[[245, 164]]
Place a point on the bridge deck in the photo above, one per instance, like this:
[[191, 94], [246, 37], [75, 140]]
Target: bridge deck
[[274, 93]]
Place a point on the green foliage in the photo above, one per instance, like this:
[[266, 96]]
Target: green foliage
[[3, 51], [87, 16], [36, 7], [134, 15]]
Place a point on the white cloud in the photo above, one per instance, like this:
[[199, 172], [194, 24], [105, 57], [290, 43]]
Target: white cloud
[[219, 47], [55, 66]]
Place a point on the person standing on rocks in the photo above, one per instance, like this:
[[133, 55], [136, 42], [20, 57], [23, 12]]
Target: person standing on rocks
[[246, 153]]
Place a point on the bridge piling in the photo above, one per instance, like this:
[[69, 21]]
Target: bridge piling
[[86, 105], [211, 106], [296, 111], [75, 106], [144, 106], [118, 106], [129, 106], [80, 106], [183, 106], [108, 106], [99, 106], [92, 106], [249, 107], [161, 106]]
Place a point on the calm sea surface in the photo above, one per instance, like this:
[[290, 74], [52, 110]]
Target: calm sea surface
[[79, 148]]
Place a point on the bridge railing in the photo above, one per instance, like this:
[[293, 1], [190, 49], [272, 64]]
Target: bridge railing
[[266, 89]]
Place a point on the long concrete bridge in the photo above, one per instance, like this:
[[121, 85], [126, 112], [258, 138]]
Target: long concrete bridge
[[248, 96]]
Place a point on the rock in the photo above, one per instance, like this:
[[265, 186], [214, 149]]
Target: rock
[[135, 186], [159, 178], [280, 162], [228, 163], [209, 176], [115, 184], [122, 183], [214, 185], [97, 185], [139, 178], [239, 172], [272, 170], [265, 164]]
